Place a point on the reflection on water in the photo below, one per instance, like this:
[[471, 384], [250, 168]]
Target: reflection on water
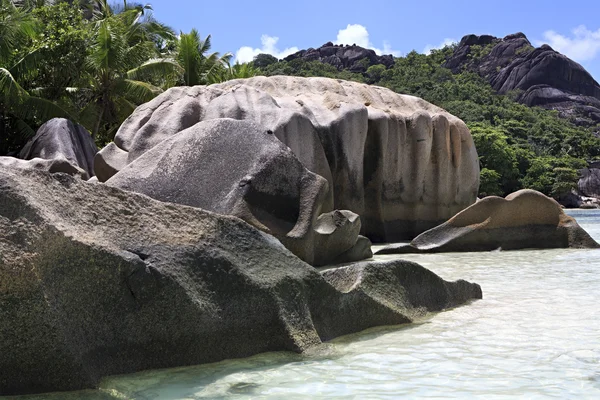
[[536, 334]]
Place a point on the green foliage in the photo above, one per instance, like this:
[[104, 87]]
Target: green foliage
[[199, 67], [497, 155], [564, 181], [300, 67], [544, 171], [478, 52], [263, 60], [374, 72], [490, 183], [93, 63], [524, 49], [63, 42]]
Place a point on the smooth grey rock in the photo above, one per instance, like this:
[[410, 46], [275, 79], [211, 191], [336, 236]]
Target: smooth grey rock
[[96, 281], [360, 251], [112, 160], [59, 164], [339, 230], [526, 219], [402, 164], [589, 183], [236, 168], [60, 138]]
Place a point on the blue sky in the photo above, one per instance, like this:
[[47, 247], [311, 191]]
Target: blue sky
[[245, 28]]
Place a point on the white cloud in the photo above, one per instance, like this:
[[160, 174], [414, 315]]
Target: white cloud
[[446, 42], [359, 35], [582, 45], [269, 46], [353, 34]]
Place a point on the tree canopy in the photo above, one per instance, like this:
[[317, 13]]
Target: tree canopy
[[93, 63]]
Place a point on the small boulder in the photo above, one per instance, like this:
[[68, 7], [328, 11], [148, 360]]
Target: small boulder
[[524, 219], [61, 139]]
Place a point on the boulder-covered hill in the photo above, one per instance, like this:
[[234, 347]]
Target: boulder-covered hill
[[351, 57], [542, 76]]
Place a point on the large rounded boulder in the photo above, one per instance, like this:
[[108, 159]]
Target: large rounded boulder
[[526, 219], [402, 164], [236, 168], [97, 281]]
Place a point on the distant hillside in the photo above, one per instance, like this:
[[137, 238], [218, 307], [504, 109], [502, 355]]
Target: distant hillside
[[352, 58], [542, 76], [532, 112]]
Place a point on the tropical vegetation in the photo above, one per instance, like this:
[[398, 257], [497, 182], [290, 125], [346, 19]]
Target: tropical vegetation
[[94, 63]]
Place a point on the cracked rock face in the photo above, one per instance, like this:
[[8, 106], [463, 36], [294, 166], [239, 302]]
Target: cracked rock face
[[97, 281], [402, 164]]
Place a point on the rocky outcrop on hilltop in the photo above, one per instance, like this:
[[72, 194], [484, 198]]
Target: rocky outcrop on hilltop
[[58, 146], [526, 219], [97, 281], [402, 164], [542, 76], [344, 57]]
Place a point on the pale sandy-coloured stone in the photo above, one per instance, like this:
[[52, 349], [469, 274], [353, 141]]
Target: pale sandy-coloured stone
[[401, 163]]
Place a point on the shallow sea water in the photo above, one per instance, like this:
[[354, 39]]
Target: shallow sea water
[[535, 335]]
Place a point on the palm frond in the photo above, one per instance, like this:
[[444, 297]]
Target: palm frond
[[27, 66], [10, 91], [137, 91], [109, 48], [41, 109], [189, 57], [156, 67]]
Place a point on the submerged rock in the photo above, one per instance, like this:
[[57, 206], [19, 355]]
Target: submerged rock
[[96, 281], [402, 164], [524, 219]]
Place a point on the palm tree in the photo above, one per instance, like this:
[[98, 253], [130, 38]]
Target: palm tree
[[199, 67], [240, 71], [20, 110], [121, 62]]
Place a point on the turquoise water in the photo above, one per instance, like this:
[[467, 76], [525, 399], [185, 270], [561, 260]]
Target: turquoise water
[[536, 334]]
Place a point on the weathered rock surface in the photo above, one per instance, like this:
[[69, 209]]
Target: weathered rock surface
[[60, 139], [524, 219], [589, 183], [545, 77], [402, 164], [343, 57], [235, 168], [96, 281], [54, 165]]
